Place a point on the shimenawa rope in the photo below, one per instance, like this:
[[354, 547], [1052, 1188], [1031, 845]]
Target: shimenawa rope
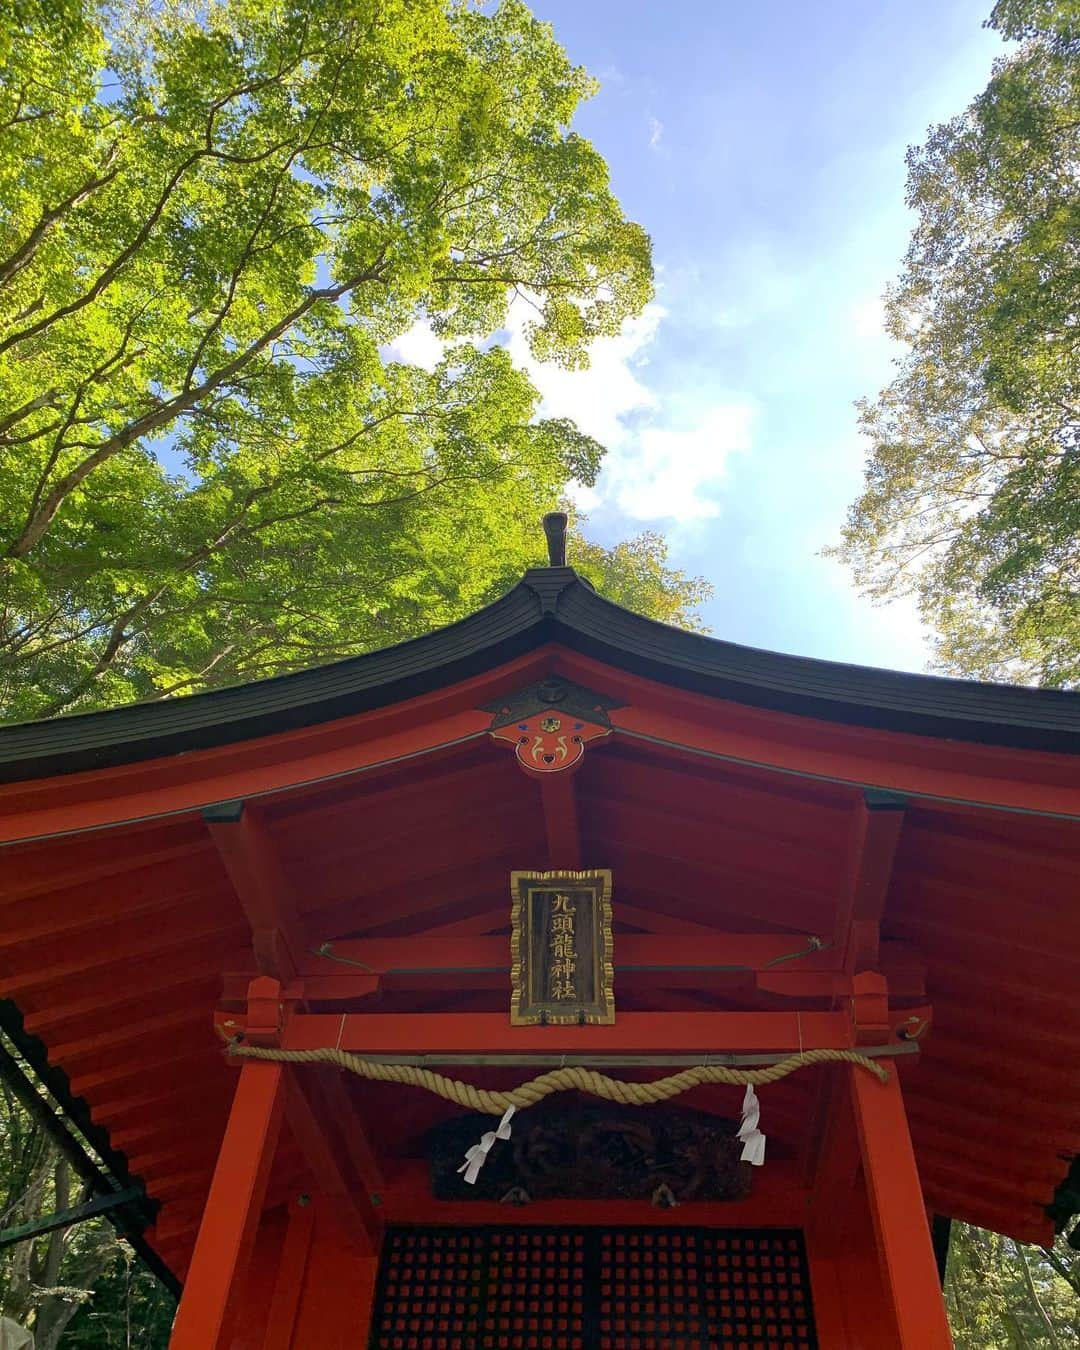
[[566, 1079]]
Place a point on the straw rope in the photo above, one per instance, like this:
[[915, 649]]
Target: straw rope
[[571, 1077]]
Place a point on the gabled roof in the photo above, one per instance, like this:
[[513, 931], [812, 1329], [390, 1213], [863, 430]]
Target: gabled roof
[[549, 604], [727, 800]]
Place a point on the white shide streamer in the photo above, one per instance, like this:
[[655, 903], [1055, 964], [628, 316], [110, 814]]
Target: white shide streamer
[[477, 1155], [753, 1140]]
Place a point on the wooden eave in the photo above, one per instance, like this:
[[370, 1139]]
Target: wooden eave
[[730, 798], [549, 605]]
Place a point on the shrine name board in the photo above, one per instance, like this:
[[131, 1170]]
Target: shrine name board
[[560, 947]]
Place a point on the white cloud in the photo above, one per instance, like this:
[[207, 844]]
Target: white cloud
[[609, 390], [672, 473], [417, 346], [656, 130], [655, 468]]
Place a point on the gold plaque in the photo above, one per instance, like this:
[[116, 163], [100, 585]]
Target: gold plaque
[[560, 947]]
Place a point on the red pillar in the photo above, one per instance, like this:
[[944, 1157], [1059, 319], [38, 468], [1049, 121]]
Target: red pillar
[[208, 1309], [905, 1252], [292, 1272]]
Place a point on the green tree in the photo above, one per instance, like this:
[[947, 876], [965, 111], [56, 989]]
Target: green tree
[[80, 1286], [1003, 1295], [214, 219], [972, 496]]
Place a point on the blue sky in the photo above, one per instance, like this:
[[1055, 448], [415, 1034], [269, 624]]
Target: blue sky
[[762, 146]]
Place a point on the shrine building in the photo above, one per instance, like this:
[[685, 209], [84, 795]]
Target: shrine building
[[654, 992]]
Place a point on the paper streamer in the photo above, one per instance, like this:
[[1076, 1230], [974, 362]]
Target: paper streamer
[[753, 1140], [477, 1155]]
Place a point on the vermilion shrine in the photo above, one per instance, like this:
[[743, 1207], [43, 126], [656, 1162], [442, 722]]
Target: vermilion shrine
[[803, 856]]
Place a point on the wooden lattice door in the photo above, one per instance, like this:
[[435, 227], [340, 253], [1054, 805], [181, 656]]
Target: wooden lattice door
[[533, 1288]]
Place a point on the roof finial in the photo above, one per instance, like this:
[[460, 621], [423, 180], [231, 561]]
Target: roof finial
[[555, 530]]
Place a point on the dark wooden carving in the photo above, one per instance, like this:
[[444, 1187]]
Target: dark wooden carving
[[595, 1152]]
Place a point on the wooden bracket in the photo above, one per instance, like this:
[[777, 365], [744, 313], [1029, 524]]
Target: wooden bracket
[[870, 1008], [265, 1012], [246, 850], [876, 827]]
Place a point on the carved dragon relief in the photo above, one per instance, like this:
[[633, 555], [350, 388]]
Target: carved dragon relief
[[668, 1155]]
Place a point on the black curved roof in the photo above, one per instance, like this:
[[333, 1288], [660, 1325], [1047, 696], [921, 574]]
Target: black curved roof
[[548, 604]]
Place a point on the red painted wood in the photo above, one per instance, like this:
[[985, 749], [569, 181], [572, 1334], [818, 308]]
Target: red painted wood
[[384, 907], [424, 846], [259, 1286], [703, 890], [472, 774], [176, 1066], [247, 852], [658, 921], [57, 1017], [756, 737], [117, 1038], [758, 851], [777, 1199], [142, 892], [292, 1271], [324, 1126], [247, 769], [51, 865], [752, 951], [634, 1032], [905, 1252], [557, 795], [208, 1310], [875, 835], [179, 929], [336, 1301]]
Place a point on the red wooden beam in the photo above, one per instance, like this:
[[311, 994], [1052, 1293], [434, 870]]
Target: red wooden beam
[[209, 1307], [314, 1111], [292, 1269], [204, 1116], [905, 1252], [632, 1033], [684, 726], [277, 934], [878, 819], [320, 1115], [777, 1199], [561, 822], [472, 925], [781, 987], [154, 1103], [831, 1165], [312, 755], [745, 952]]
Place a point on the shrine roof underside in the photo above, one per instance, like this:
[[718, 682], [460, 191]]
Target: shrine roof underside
[[736, 795]]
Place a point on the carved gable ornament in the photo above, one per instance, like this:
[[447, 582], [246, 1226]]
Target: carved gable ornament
[[550, 723]]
